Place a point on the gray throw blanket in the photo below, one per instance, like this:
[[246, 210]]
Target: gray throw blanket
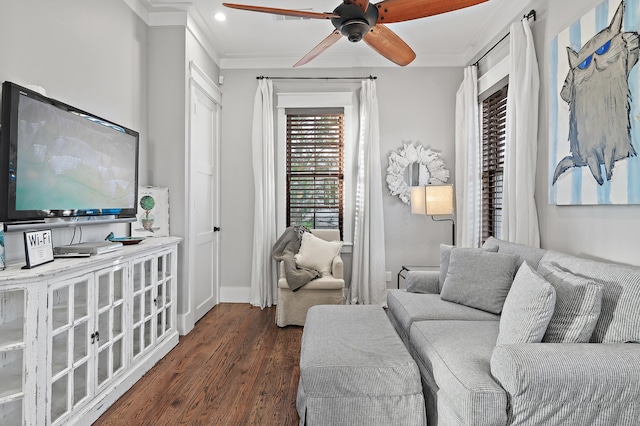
[[283, 251]]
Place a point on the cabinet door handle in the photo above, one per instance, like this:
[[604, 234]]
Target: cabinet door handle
[[97, 336], [155, 302], [93, 338]]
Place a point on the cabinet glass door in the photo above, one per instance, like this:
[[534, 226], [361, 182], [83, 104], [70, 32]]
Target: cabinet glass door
[[110, 330], [71, 331], [164, 301], [12, 346], [143, 306]]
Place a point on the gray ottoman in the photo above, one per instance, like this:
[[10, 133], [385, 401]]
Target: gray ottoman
[[355, 370]]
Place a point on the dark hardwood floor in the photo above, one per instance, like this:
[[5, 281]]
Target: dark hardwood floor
[[235, 368]]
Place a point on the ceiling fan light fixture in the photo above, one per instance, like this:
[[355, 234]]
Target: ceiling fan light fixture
[[354, 30], [360, 19]]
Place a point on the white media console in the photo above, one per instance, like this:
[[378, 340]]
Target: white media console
[[76, 334]]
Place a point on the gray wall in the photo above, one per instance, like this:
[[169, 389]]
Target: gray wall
[[93, 58], [606, 232], [415, 104], [171, 49]]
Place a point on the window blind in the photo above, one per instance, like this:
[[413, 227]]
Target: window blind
[[494, 120], [315, 169]]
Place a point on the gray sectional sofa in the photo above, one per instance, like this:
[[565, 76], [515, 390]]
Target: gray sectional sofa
[[514, 335]]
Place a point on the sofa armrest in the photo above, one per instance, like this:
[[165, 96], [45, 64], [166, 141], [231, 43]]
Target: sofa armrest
[[337, 268], [556, 383], [423, 282]]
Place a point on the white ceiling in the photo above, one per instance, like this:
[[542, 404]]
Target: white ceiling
[[259, 40]]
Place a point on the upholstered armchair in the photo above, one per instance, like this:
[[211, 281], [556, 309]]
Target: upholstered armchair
[[328, 289]]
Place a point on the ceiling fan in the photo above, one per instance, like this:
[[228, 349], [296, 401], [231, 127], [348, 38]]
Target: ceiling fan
[[361, 20]]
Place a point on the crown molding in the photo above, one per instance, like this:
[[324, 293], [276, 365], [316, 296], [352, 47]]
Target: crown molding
[[156, 13]]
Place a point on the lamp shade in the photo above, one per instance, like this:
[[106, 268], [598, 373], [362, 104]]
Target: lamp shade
[[438, 200], [417, 200]]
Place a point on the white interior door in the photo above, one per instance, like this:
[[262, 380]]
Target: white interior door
[[203, 194]]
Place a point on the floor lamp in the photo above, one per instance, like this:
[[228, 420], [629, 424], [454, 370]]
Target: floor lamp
[[434, 200]]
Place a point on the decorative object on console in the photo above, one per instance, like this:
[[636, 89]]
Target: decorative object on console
[[434, 200], [592, 142], [38, 248], [127, 241], [414, 165], [153, 213]]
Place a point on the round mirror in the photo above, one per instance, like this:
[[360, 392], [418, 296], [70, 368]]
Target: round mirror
[[414, 165]]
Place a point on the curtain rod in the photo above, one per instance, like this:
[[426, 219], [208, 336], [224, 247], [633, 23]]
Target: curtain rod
[[529, 16], [371, 77]]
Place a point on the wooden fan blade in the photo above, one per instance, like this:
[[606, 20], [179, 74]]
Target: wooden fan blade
[[405, 10], [286, 12], [321, 47], [388, 44], [362, 4]]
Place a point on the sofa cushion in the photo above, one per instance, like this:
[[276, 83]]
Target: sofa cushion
[[578, 304], [422, 282], [457, 355], [527, 309], [316, 253], [445, 257], [405, 308], [619, 321], [479, 279], [525, 253]]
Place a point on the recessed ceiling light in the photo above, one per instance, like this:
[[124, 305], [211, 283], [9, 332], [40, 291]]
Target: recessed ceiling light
[[220, 17]]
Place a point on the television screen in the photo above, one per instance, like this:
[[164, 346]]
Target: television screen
[[64, 162]]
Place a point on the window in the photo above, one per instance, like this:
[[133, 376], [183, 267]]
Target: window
[[494, 112], [314, 103], [315, 168]]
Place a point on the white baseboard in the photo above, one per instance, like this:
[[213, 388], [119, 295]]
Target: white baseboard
[[184, 323], [235, 294]]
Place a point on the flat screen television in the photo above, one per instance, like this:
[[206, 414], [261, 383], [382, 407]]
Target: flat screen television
[[58, 161]]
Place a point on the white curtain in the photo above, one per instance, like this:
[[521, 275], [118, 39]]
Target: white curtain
[[468, 156], [368, 281], [519, 215], [263, 271]]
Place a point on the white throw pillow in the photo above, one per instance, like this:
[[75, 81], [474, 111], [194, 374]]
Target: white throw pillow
[[316, 253]]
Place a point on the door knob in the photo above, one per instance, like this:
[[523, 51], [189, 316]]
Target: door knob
[[216, 229]]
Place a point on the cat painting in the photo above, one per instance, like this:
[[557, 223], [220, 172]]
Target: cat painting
[[597, 91]]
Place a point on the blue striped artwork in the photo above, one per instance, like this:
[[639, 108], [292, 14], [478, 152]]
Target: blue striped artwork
[[594, 108]]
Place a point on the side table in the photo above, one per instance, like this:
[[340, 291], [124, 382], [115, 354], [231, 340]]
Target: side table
[[415, 268]]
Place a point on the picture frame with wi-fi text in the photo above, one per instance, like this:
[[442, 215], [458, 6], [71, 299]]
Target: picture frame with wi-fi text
[[38, 248]]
